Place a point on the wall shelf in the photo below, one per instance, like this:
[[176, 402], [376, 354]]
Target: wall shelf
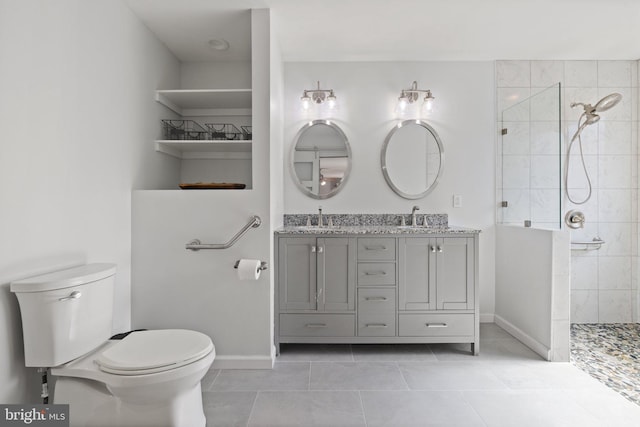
[[205, 149], [207, 102]]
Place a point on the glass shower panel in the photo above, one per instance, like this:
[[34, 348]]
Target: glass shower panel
[[530, 153]]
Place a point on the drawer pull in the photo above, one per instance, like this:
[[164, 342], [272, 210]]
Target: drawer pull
[[375, 273], [315, 325], [376, 248], [436, 325], [375, 299], [376, 325]]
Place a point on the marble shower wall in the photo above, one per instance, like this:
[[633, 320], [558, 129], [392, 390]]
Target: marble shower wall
[[604, 283]]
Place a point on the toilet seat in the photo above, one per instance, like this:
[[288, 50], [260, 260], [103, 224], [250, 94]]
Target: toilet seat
[[148, 352]]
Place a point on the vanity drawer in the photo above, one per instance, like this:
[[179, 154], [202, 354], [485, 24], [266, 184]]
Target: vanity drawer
[[435, 325], [317, 325], [376, 300], [377, 325], [376, 274], [376, 249]]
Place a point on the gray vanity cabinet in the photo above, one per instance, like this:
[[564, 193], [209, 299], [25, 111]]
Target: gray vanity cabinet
[[436, 273], [316, 274], [316, 286], [436, 289], [416, 288]]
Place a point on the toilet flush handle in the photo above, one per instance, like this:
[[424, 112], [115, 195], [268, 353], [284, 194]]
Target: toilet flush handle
[[72, 295]]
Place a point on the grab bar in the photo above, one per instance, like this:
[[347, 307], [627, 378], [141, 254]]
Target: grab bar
[[196, 244]]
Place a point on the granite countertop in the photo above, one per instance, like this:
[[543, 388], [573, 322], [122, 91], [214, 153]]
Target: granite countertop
[[374, 229], [307, 224]]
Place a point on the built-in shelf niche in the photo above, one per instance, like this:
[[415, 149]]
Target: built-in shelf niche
[[207, 102], [230, 105]]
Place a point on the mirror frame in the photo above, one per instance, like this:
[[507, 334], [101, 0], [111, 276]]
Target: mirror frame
[[383, 160], [292, 169]]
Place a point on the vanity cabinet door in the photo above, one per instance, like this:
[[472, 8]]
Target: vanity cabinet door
[[436, 274], [417, 274], [297, 273], [336, 274], [454, 273], [317, 274]]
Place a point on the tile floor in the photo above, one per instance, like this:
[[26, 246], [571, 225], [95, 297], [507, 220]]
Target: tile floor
[[414, 385], [611, 354]]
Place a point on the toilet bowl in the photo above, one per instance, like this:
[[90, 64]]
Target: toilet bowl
[[148, 378], [112, 385]]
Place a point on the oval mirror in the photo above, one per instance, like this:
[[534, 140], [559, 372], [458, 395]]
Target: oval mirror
[[412, 159], [320, 159]]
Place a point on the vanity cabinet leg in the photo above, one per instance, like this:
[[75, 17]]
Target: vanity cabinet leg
[[475, 348]]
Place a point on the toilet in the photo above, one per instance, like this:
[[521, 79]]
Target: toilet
[[147, 378]]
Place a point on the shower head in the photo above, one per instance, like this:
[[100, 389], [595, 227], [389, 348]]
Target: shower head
[[607, 102], [604, 104]]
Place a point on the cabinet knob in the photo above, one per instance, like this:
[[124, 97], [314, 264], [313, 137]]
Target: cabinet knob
[[440, 249], [313, 248], [320, 249], [433, 249]]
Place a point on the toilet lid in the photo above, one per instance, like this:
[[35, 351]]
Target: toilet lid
[[145, 352]]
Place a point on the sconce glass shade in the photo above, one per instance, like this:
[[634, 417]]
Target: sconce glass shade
[[331, 100], [403, 102], [306, 100], [427, 106]]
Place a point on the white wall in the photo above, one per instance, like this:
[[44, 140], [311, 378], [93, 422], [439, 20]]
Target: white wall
[[176, 288], [532, 288], [77, 115], [367, 93]]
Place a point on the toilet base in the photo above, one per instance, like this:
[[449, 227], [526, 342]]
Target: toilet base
[[92, 405]]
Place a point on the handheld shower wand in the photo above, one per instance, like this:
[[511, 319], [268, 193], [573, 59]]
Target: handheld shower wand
[[590, 116]]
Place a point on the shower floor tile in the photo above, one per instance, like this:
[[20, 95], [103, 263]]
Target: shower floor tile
[[611, 354]]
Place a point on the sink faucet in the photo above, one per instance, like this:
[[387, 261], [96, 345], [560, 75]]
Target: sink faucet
[[413, 216], [320, 216]]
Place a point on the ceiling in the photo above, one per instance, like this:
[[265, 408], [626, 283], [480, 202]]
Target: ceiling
[[402, 30]]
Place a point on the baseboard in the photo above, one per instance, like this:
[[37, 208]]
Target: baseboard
[[487, 318], [243, 362], [524, 338]]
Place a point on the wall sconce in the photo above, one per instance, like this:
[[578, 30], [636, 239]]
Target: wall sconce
[[409, 96], [318, 96]]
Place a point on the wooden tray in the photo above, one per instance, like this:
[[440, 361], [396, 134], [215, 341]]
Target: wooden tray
[[212, 186]]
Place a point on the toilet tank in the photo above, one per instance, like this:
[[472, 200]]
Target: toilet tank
[[65, 314]]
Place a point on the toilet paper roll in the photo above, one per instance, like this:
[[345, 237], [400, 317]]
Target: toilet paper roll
[[249, 269]]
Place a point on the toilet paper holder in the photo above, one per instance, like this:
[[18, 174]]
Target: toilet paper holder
[[263, 265]]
